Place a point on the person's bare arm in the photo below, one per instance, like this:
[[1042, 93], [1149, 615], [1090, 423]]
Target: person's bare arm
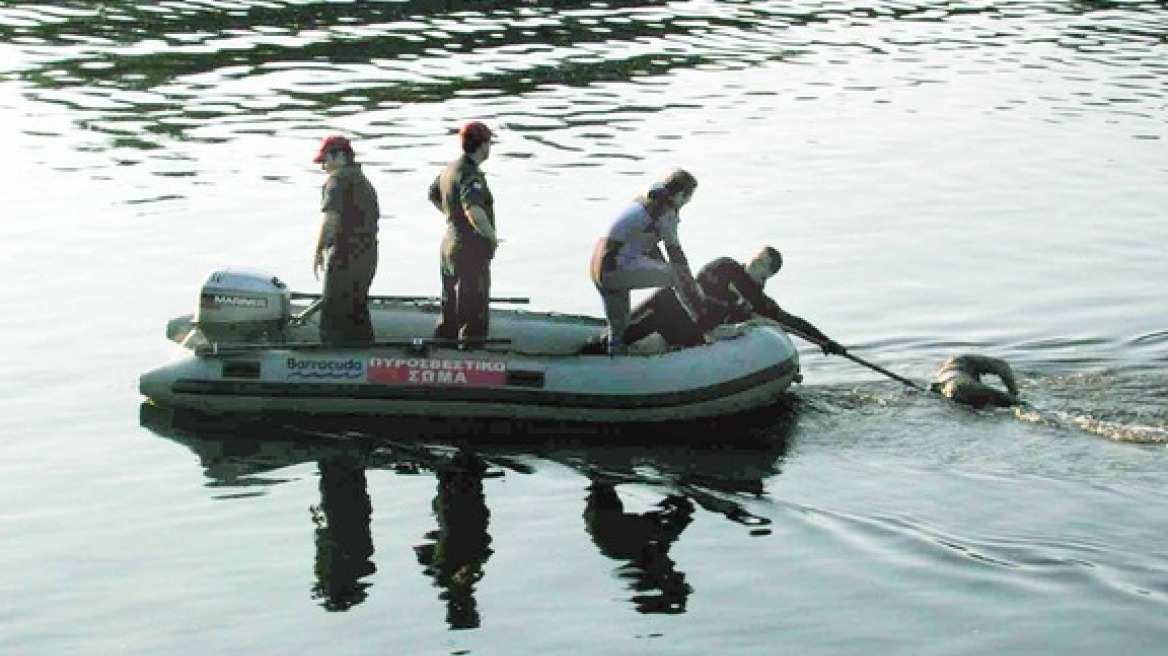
[[327, 237], [481, 222], [984, 364], [436, 193], [691, 293]]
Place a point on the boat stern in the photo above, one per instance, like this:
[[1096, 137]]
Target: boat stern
[[158, 384]]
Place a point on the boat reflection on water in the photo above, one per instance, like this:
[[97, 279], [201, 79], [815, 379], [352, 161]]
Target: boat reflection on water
[[344, 542], [643, 541], [687, 475], [247, 454], [460, 546]]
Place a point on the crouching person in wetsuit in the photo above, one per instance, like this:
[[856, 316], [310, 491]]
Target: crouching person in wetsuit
[[347, 246], [959, 379], [732, 293]]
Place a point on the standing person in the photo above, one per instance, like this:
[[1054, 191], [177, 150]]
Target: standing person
[[732, 292], [629, 257], [347, 246], [959, 379], [461, 193]]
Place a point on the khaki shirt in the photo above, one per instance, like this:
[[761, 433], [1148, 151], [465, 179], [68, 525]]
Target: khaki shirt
[[349, 194], [461, 185]]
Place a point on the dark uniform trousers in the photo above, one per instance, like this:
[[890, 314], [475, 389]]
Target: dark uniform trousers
[[344, 313], [466, 289], [663, 313]]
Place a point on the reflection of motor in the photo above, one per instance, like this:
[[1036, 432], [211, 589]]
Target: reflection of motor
[[643, 540], [461, 545], [243, 306], [344, 542]]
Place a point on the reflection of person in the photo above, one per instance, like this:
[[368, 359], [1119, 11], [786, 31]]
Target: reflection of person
[[460, 192], [628, 257], [960, 380], [731, 293], [643, 540], [461, 544], [344, 543], [347, 246]]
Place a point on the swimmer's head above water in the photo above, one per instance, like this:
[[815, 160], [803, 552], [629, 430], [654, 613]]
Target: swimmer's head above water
[[959, 379]]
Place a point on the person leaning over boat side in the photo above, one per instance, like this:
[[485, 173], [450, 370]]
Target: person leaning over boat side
[[347, 246], [629, 257], [732, 293], [461, 193], [959, 379]]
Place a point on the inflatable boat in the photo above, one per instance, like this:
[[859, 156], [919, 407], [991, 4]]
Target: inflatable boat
[[253, 346]]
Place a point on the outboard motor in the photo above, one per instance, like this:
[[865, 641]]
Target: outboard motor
[[237, 305]]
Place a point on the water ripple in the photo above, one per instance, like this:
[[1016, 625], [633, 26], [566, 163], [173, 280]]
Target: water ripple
[[145, 63]]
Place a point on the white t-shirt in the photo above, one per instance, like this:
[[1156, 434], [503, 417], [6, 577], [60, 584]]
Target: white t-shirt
[[639, 234]]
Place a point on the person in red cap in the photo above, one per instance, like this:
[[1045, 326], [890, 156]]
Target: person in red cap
[[347, 246], [629, 257], [461, 193]]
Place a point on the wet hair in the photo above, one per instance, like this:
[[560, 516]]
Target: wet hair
[[774, 257], [774, 260]]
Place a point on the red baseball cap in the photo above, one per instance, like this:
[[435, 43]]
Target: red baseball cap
[[332, 142], [475, 132]]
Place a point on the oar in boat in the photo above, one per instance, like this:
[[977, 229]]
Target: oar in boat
[[417, 343], [856, 359], [299, 296], [302, 317]]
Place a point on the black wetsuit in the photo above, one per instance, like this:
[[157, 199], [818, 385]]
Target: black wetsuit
[[731, 296]]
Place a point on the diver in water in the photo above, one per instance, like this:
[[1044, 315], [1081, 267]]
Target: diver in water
[[959, 379]]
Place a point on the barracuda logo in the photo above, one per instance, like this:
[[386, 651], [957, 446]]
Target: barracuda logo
[[332, 368]]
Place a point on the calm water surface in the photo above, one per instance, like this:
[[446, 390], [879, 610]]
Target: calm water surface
[[942, 177]]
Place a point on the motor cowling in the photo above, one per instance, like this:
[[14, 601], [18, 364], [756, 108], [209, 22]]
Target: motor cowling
[[238, 305]]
